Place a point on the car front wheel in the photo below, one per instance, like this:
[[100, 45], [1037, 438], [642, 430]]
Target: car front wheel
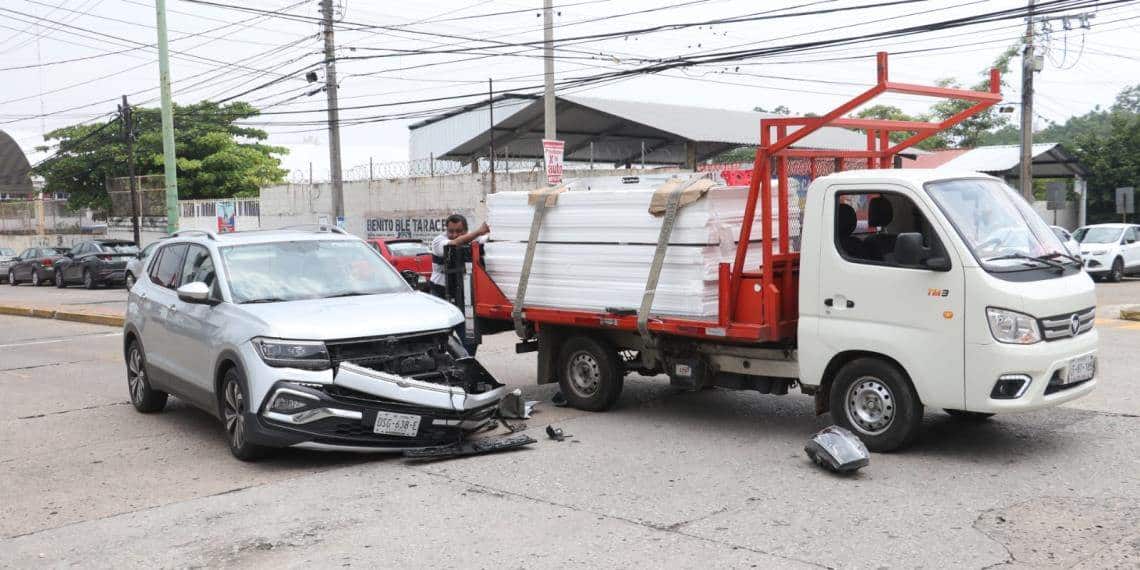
[[36, 279], [12, 278], [129, 281], [88, 279], [59, 279], [235, 407], [1117, 273]]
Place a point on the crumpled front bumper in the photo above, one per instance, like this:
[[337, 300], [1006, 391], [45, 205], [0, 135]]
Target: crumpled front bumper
[[342, 415]]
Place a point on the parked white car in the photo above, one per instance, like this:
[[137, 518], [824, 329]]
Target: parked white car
[[1110, 250], [7, 259], [1066, 238]]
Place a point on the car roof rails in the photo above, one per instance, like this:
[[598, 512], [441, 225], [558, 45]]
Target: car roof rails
[[317, 227], [207, 233]]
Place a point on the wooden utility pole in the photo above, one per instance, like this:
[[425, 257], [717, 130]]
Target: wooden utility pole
[[129, 137]]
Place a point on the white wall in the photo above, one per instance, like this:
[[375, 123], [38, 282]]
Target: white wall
[[1067, 218]]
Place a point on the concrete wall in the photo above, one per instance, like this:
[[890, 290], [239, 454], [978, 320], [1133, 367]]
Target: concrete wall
[[404, 206], [1067, 218]]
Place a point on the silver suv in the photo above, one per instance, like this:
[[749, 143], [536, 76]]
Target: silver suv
[[300, 338]]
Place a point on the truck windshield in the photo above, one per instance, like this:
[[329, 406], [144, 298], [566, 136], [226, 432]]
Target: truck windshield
[[311, 269], [999, 227]]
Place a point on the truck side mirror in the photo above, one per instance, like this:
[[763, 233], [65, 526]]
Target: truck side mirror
[[411, 277], [909, 250]]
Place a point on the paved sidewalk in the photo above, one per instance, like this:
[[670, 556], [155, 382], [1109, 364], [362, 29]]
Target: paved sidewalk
[[96, 306]]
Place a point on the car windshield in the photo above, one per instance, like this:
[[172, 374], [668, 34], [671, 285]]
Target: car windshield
[[1099, 235], [999, 227], [55, 250], [121, 247], [310, 269], [407, 248]]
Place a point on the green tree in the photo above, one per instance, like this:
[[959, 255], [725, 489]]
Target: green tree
[[973, 131], [217, 158]]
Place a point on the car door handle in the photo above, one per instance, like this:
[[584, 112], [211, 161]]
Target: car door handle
[[831, 303]]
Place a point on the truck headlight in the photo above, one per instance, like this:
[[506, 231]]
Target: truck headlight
[[1012, 327], [305, 354]]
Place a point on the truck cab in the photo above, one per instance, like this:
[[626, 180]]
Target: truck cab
[[932, 288]]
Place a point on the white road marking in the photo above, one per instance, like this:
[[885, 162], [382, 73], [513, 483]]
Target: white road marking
[[56, 340]]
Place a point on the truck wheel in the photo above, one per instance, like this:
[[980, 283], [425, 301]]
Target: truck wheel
[[873, 399], [590, 373], [968, 416], [1117, 273]]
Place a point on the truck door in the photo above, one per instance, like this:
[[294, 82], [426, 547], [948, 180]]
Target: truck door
[[875, 295]]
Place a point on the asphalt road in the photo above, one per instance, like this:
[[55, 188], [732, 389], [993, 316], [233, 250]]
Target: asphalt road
[[667, 479]]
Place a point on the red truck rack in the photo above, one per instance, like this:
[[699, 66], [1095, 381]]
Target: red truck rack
[[762, 306]]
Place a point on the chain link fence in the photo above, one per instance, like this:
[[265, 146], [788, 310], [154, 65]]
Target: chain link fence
[[23, 217]]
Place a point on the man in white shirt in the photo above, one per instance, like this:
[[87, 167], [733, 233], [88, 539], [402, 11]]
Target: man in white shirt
[[456, 234]]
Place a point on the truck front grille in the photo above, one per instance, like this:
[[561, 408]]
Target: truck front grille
[[1068, 325]]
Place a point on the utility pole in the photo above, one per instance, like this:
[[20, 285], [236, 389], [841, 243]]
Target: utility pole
[[129, 137], [491, 110], [334, 112], [169, 161], [1027, 70], [550, 131]]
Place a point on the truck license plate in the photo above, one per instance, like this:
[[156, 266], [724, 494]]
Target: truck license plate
[[389, 423], [1081, 368]]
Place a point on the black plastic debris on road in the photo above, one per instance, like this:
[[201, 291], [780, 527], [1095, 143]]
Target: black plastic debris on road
[[556, 433], [478, 446]]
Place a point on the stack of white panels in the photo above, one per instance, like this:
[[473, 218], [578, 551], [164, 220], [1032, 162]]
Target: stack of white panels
[[622, 216], [596, 247], [597, 277]]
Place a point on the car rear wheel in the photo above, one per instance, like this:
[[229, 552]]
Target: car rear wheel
[[36, 279], [144, 398], [59, 279], [12, 278], [872, 398], [1117, 273], [235, 407], [88, 279]]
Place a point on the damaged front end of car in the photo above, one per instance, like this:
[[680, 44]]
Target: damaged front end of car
[[389, 393]]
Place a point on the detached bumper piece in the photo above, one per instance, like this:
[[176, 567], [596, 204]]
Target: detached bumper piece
[[367, 408]]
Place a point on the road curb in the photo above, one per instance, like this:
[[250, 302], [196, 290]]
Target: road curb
[[74, 316], [1130, 313]]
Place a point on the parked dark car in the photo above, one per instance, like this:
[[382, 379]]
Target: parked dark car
[[96, 262], [7, 259], [36, 265]]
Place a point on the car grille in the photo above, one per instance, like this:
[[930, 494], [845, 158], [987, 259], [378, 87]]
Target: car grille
[[385, 353], [1061, 326]]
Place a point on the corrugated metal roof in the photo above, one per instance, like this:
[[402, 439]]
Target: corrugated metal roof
[[14, 167], [604, 130], [1050, 160], [706, 124]]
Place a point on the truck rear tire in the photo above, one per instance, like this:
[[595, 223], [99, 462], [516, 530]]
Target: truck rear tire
[[873, 398], [590, 373]]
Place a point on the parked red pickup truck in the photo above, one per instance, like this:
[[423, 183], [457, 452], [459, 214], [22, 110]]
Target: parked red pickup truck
[[405, 253]]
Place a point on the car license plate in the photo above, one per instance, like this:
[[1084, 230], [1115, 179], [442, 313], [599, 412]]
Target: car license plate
[[1081, 368], [389, 423]]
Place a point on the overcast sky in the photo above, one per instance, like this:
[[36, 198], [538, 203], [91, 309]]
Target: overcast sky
[[223, 52]]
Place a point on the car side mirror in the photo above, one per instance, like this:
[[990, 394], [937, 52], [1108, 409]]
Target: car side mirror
[[196, 292], [1130, 240], [411, 277]]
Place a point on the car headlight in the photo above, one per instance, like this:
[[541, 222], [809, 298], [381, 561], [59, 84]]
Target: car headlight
[[1013, 327], [305, 354]]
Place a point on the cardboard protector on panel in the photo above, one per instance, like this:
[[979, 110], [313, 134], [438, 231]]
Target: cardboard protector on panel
[[550, 194], [694, 192]]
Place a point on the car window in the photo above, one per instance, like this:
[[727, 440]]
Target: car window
[[79, 249], [198, 267], [167, 269], [1101, 235], [28, 254], [149, 249], [868, 223], [1133, 234], [408, 248]]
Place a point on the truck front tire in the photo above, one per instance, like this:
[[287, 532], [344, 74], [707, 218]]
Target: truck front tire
[[873, 398], [590, 373]]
